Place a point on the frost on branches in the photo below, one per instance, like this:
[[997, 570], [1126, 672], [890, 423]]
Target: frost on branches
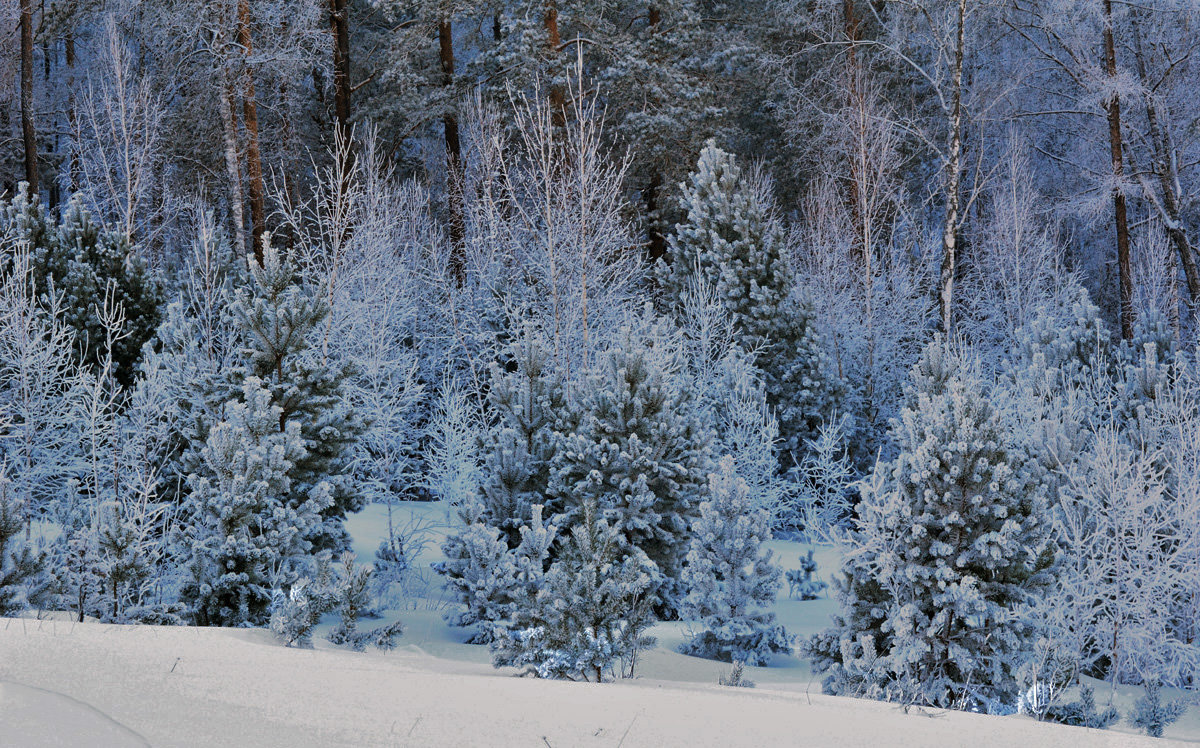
[[247, 536], [952, 539], [731, 241], [731, 581]]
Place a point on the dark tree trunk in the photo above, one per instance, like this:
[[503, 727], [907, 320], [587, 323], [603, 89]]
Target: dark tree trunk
[[339, 26], [453, 153], [254, 171], [1116, 152], [558, 98], [28, 134]]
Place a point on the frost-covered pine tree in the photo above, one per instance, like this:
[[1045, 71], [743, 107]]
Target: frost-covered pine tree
[[639, 454], [951, 538], [19, 566], [529, 402], [247, 535], [587, 612], [732, 242], [281, 322], [731, 580], [479, 571], [82, 262]]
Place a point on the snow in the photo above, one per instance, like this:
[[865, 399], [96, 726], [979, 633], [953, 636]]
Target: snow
[[64, 683], [193, 686]]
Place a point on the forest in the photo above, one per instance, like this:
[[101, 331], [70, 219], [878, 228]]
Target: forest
[[590, 311]]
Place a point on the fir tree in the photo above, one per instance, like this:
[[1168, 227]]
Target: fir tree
[[731, 242], [731, 581], [952, 537], [639, 455], [247, 536]]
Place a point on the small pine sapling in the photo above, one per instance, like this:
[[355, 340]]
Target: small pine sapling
[[737, 676], [19, 566], [1151, 715], [731, 582], [589, 611], [801, 584]]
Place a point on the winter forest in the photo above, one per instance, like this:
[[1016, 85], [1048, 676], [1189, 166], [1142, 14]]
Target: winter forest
[[848, 346]]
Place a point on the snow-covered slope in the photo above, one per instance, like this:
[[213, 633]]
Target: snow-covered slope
[[126, 686]]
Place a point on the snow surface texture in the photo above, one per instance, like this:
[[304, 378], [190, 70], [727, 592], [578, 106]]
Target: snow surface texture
[[193, 686], [105, 685]]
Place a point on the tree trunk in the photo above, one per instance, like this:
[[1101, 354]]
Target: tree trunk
[[1166, 167], [254, 171], [558, 98], [339, 26], [28, 134], [953, 178], [657, 246], [1116, 151], [453, 153], [72, 116], [496, 27], [232, 171]]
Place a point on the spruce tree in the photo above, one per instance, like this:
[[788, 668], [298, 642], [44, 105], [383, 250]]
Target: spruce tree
[[639, 455], [247, 534], [952, 538], [731, 581], [280, 322], [731, 242]]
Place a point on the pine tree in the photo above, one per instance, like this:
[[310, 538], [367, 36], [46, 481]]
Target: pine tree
[[530, 405], [280, 321], [731, 581], [479, 571], [639, 454], [952, 536], [83, 262], [1151, 715], [19, 566], [589, 610], [731, 242], [528, 399], [247, 535]]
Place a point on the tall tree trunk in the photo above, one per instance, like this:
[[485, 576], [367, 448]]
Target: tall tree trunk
[[953, 178], [657, 246], [1117, 153], [454, 196], [28, 134], [1166, 167], [558, 98], [254, 170], [72, 115], [229, 127], [852, 28], [339, 27]]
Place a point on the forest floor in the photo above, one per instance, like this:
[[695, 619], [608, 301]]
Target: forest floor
[[65, 683]]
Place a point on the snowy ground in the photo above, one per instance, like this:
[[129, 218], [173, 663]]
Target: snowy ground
[[92, 684]]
